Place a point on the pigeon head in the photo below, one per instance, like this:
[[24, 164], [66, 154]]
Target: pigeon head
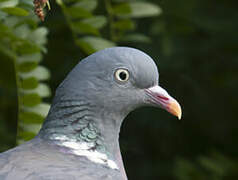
[[91, 103], [116, 81]]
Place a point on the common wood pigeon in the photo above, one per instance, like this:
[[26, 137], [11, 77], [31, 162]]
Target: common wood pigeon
[[79, 138]]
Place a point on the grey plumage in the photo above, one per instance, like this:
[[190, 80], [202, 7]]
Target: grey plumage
[[79, 138], [37, 160]]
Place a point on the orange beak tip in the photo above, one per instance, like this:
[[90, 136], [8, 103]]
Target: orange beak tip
[[175, 109]]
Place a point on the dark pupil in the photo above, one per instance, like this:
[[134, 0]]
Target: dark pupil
[[123, 75]]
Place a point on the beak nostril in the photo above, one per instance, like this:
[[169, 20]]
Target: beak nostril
[[163, 98]]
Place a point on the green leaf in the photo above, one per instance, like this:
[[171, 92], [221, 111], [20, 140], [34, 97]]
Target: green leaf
[[78, 12], [7, 51], [3, 0], [4, 30], [30, 117], [84, 28], [25, 136], [97, 21], [33, 58], [26, 47], [88, 5], [41, 90], [3, 15], [138, 10], [122, 9], [119, 1], [22, 31], [41, 109], [136, 38], [212, 165], [27, 2], [34, 128], [29, 83], [27, 66], [125, 24], [8, 3], [12, 21], [38, 36], [144, 9], [30, 100], [60, 2], [92, 44], [40, 72], [15, 11]]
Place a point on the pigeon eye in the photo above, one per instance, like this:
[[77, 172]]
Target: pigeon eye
[[122, 75]]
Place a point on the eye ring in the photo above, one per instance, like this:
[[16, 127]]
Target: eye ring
[[122, 75]]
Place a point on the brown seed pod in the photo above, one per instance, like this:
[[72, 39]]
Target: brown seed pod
[[39, 6]]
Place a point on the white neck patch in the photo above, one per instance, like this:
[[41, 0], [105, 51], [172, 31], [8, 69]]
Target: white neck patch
[[84, 149]]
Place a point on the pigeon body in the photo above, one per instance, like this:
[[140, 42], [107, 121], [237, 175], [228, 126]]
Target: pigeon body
[[79, 138], [37, 160]]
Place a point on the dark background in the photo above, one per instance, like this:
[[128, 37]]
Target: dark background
[[195, 45]]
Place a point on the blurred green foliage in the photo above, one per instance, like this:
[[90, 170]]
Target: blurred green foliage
[[194, 44], [85, 25], [215, 166], [22, 42]]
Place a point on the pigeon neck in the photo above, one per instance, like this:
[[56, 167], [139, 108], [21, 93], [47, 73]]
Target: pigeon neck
[[86, 130]]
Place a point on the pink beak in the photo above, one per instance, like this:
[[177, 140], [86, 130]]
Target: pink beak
[[160, 97]]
